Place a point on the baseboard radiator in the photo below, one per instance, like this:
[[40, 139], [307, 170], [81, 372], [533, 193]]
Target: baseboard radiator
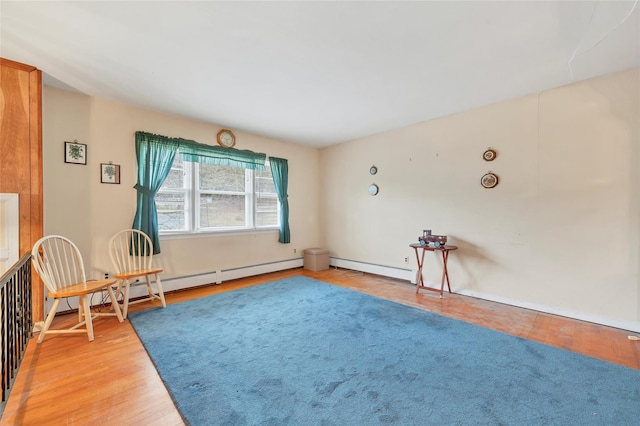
[[16, 320], [219, 276], [372, 268]]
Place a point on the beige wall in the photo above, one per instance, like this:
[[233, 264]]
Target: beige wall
[[559, 233], [78, 206]]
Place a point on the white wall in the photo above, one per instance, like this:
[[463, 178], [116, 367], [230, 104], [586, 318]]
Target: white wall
[[560, 232], [78, 206]]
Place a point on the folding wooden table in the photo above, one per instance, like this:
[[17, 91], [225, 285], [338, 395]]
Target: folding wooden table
[[420, 258]]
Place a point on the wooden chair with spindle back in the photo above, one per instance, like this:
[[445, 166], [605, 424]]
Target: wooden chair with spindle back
[[59, 264], [131, 253]]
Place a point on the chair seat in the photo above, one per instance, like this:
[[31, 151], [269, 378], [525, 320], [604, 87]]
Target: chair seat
[[138, 273], [83, 288]]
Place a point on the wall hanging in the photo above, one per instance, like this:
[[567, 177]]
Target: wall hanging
[[489, 155], [109, 173], [489, 180], [75, 152]]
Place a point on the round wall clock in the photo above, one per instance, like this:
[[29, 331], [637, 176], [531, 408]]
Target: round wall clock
[[373, 189], [226, 138], [373, 170], [489, 180], [489, 155]]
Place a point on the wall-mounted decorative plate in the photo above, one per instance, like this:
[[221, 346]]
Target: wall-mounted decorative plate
[[489, 180], [373, 189], [373, 170], [489, 155]]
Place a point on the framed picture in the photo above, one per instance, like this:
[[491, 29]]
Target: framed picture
[[489, 180], [75, 153], [109, 173], [489, 155]]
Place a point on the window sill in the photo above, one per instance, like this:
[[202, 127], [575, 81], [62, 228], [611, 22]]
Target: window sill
[[214, 234]]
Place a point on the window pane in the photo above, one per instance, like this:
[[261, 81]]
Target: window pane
[[218, 210], [221, 178], [171, 211], [264, 181], [267, 210], [177, 176]]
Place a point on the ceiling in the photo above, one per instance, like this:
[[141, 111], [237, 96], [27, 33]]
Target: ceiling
[[318, 73]]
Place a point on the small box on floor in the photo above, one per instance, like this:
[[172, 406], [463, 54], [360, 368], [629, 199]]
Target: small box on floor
[[316, 259]]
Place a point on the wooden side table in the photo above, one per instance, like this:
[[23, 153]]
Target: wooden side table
[[445, 273]]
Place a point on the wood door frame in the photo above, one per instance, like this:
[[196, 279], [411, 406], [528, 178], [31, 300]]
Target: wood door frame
[[25, 169]]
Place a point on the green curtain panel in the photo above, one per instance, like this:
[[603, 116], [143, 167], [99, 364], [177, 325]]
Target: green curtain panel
[[206, 154], [155, 156], [280, 173]]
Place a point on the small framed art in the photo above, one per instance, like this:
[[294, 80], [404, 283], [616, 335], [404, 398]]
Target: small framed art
[[489, 180], [109, 173], [489, 155], [75, 152]]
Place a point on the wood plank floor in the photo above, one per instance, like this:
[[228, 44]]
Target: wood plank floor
[[68, 380]]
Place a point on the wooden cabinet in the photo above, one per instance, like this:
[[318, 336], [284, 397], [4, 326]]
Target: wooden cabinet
[[21, 155]]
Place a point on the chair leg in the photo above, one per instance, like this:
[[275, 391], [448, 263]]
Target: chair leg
[[160, 292], [149, 288], [118, 288], [84, 300], [47, 323], [114, 303], [125, 301], [80, 310]]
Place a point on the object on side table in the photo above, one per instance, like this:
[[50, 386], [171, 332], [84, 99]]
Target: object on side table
[[433, 240]]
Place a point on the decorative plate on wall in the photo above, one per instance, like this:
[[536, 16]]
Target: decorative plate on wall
[[489, 155], [373, 170], [489, 180], [373, 189]]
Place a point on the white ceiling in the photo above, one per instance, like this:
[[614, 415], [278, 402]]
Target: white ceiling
[[318, 73]]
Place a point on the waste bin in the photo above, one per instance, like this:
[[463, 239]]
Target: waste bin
[[316, 259]]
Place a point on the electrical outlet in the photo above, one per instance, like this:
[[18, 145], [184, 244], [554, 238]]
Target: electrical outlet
[[406, 260], [295, 250], [106, 275]]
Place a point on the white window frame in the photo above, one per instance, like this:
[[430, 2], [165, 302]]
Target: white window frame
[[192, 194]]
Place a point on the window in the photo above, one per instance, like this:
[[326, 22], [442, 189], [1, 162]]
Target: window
[[208, 198]]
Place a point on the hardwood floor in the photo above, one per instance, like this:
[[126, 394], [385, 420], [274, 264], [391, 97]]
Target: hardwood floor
[[69, 380]]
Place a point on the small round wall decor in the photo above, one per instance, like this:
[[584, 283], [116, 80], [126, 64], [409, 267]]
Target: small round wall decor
[[489, 180], [489, 155], [373, 170], [373, 189]]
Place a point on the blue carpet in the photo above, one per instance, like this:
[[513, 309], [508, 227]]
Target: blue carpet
[[302, 352]]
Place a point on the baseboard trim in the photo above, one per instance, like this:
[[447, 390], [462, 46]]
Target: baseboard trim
[[372, 268], [139, 290], [221, 275], [595, 319], [411, 276]]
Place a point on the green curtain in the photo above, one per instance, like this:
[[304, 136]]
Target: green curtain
[[206, 154], [280, 173], [155, 156]]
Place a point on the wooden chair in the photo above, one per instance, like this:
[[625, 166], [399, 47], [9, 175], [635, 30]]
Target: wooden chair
[[59, 264], [131, 253]]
